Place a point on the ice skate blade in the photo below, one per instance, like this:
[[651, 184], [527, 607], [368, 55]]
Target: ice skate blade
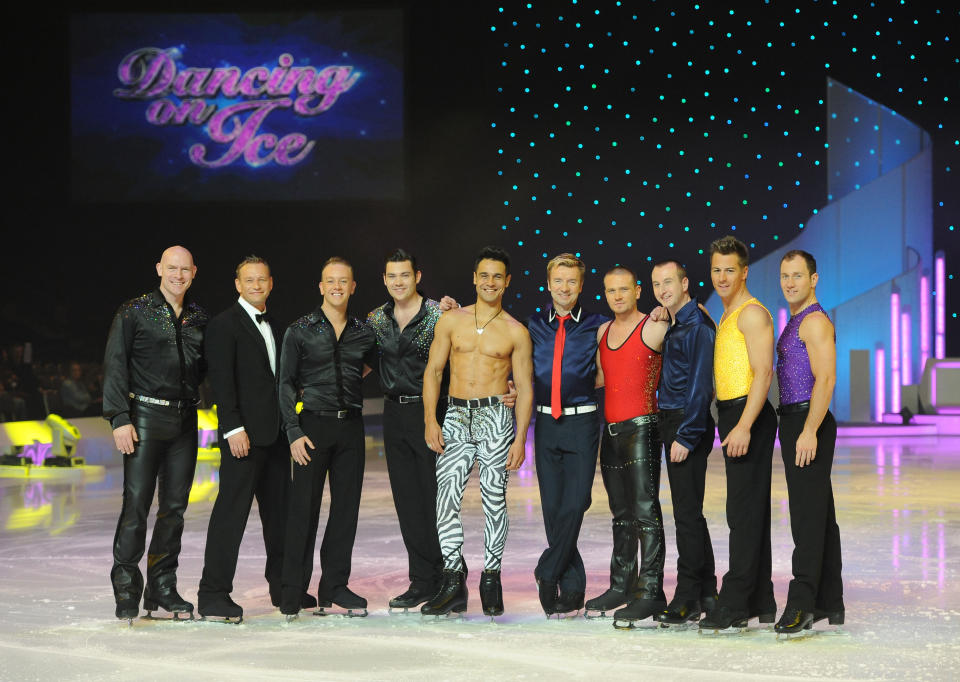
[[443, 617], [724, 632], [174, 617], [623, 624], [291, 617], [802, 634], [399, 610], [346, 613], [222, 620], [596, 615], [680, 627], [564, 615]]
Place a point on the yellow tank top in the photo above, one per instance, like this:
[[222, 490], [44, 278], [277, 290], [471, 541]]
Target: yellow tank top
[[731, 365]]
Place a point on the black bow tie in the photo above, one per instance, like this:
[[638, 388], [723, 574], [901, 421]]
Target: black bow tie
[[262, 317]]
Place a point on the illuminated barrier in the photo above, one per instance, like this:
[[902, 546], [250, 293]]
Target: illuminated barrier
[[43, 450]]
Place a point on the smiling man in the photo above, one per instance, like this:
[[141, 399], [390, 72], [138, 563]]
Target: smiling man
[[404, 330], [153, 367], [806, 374], [325, 356], [629, 360], [743, 370], [567, 429], [242, 351], [484, 345], [687, 429]]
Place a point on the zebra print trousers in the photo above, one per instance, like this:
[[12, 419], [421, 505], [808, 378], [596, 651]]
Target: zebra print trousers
[[484, 435]]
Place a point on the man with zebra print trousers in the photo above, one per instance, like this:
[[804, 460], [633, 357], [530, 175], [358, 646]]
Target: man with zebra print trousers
[[484, 345]]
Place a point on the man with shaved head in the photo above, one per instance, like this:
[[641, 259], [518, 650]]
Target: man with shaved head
[[153, 366]]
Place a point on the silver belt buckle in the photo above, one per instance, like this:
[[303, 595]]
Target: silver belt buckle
[[610, 430], [473, 403], [341, 414]]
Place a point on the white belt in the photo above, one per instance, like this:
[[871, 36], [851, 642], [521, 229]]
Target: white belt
[[579, 409]]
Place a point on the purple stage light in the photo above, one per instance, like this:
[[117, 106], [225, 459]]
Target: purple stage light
[[940, 306], [906, 369], [895, 379], [924, 321], [880, 370]]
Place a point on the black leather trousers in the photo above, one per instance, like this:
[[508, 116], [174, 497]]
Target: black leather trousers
[[630, 466], [164, 457]]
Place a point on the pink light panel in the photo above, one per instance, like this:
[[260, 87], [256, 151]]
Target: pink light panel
[[880, 371], [895, 380], [924, 321], [906, 370], [940, 307]]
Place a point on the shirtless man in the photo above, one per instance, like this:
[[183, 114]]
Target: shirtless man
[[484, 345]]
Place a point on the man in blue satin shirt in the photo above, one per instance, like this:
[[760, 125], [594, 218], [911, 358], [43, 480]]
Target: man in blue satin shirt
[[567, 430], [687, 429]]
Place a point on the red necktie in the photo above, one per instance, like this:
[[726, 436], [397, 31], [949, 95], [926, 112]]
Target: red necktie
[[556, 407]]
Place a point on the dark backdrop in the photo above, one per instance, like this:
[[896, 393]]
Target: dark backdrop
[[477, 72]]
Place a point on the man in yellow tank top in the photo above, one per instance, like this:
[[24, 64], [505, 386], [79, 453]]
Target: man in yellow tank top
[[747, 422]]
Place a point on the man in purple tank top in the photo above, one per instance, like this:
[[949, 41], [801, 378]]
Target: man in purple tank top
[[806, 372]]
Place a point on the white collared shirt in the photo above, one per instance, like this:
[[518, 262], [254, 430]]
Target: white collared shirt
[[267, 333]]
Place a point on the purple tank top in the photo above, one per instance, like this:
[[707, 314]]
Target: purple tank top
[[793, 363]]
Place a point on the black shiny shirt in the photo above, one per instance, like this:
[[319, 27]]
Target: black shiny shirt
[[403, 354], [686, 376], [321, 370], [152, 353]]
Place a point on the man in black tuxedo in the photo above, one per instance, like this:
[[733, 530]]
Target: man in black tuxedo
[[242, 349]]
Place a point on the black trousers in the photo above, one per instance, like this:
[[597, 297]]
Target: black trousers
[[412, 468], [817, 582], [630, 466], [263, 474], [566, 462], [165, 457], [339, 451], [747, 584], [696, 572]]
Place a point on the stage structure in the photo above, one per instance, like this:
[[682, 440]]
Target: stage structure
[[873, 242]]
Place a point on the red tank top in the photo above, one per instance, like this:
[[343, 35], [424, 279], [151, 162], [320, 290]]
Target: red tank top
[[631, 374]]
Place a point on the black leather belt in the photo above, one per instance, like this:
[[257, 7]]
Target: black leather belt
[[474, 403], [793, 408], [339, 414], [630, 425], [402, 399], [179, 404], [733, 402]]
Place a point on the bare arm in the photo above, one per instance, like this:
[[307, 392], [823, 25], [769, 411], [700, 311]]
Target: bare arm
[[757, 329], [653, 333], [522, 360], [817, 333], [432, 377]]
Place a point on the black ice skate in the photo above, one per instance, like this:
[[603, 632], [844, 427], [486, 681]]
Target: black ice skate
[[794, 623], [636, 611], [608, 601], [724, 620], [413, 597], [168, 600], [351, 605], [491, 593], [220, 609], [128, 609], [548, 593], [567, 603], [682, 613], [451, 597]]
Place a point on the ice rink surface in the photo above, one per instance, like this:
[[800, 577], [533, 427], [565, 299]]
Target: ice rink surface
[[898, 503]]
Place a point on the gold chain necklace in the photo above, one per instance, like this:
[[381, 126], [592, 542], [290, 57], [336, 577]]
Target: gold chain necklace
[[476, 322]]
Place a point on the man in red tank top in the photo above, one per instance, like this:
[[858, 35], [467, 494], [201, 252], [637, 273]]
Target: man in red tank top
[[628, 359]]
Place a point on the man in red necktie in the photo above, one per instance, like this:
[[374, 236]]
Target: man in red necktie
[[567, 429]]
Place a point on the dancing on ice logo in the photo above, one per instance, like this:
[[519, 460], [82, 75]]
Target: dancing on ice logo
[[181, 96]]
